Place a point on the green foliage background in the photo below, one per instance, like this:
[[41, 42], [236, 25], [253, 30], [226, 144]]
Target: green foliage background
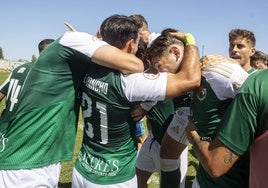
[[1, 53]]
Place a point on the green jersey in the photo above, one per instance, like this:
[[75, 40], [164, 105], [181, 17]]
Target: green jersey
[[208, 109], [250, 71], [15, 79], [218, 88], [183, 100], [159, 117], [109, 149], [245, 124], [38, 128]]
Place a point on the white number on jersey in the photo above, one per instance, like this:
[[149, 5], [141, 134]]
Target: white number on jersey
[[87, 112], [13, 92]]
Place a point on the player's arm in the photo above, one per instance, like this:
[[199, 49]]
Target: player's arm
[[112, 57], [2, 95], [102, 53], [210, 60], [189, 76], [138, 112], [214, 156]]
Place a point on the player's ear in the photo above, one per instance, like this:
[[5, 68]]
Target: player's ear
[[252, 51], [176, 52], [130, 45]]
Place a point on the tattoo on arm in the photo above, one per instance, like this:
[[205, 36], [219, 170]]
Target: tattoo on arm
[[228, 157]]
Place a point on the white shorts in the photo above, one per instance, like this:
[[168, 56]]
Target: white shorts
[[183, 166], [149, 155], [176, 128], [27, 178], [79, 181]]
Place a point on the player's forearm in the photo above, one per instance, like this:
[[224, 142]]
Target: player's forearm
[[112, 57], [2, 95], [200, 149], [191, 65], [188, 77], [191, 61], [215, 158]]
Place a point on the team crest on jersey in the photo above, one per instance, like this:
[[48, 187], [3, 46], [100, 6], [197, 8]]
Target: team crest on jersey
[[236, 86], [201, 93], [179, 112], [151, 76], [175, 129]]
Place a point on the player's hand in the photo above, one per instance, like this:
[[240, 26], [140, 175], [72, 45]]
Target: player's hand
[[191, 130], [71, 28], [210, 60], [187, 38], [137, 113]]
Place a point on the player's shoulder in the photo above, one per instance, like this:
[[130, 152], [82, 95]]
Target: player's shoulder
[[22, 68], [226, 69]]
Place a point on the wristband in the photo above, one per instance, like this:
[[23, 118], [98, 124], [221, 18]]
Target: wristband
[[206, 138], [189, 39]]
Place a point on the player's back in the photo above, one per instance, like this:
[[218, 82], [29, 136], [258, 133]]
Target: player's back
[[109, 133]]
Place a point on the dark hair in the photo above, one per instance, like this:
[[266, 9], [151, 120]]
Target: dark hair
[[249, 35], [259, 55], [44, 43], [159, 46], [140, 20], [141, 49], [118, 29], [168, 30]]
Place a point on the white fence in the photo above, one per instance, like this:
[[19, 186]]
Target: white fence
[[9, 65]]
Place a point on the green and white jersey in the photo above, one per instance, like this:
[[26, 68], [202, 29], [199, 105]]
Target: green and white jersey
[[251, 113], [219, 86], [39, 127], [246, 120], [207, 108], [159, 117], [108, 153], [15, 78]]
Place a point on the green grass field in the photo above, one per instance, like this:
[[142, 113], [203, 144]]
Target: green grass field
[[65, 177], [3, 76]]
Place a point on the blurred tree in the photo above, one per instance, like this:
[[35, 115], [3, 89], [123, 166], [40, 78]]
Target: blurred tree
[[33, 58], [1, 53]]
